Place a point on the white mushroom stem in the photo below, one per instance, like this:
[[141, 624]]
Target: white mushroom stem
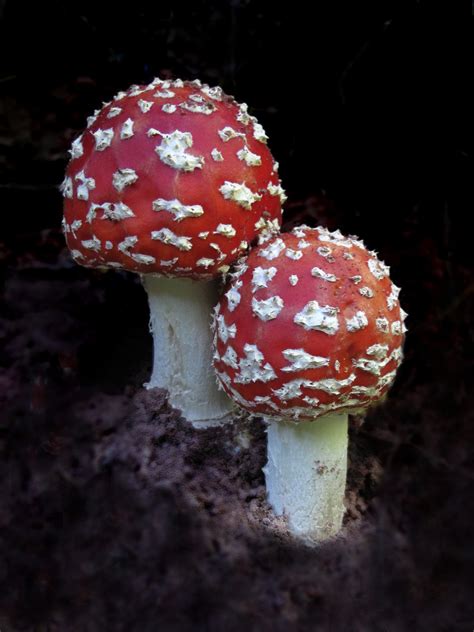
[[180, 323], [306, 474]]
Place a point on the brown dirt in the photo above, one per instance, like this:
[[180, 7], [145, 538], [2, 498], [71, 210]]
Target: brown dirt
[[117, 515]]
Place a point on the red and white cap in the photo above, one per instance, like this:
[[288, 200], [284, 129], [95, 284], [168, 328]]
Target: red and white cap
[[173, 178], [310, 324]]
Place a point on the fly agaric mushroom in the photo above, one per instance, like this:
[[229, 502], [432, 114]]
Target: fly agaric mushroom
[[309, 330], [173, 180]]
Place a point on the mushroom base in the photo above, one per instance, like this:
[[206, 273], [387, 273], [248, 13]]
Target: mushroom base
[[306, 474], [180, 323]]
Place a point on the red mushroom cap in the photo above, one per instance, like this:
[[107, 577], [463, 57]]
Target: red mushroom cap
[[309, 325], [172, 178]]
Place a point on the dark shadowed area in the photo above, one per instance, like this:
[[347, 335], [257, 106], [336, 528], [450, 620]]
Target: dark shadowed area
[[116, 515]]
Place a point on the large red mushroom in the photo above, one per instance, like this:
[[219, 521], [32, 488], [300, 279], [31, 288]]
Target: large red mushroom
[[172, 180], [309, 330]]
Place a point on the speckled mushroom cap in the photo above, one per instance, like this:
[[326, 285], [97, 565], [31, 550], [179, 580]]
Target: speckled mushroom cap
[[173, 178], [309, 325]]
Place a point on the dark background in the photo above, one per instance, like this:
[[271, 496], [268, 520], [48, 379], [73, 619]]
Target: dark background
[[366, 106]]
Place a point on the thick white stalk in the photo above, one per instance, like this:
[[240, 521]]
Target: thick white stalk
[[180, 322], [306, 474]]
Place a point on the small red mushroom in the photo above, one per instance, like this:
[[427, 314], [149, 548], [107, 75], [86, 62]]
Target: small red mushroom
[[309, 330], [172, 180]]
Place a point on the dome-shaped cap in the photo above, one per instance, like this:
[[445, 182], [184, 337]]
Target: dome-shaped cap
[[173, 178], [309, 325]]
